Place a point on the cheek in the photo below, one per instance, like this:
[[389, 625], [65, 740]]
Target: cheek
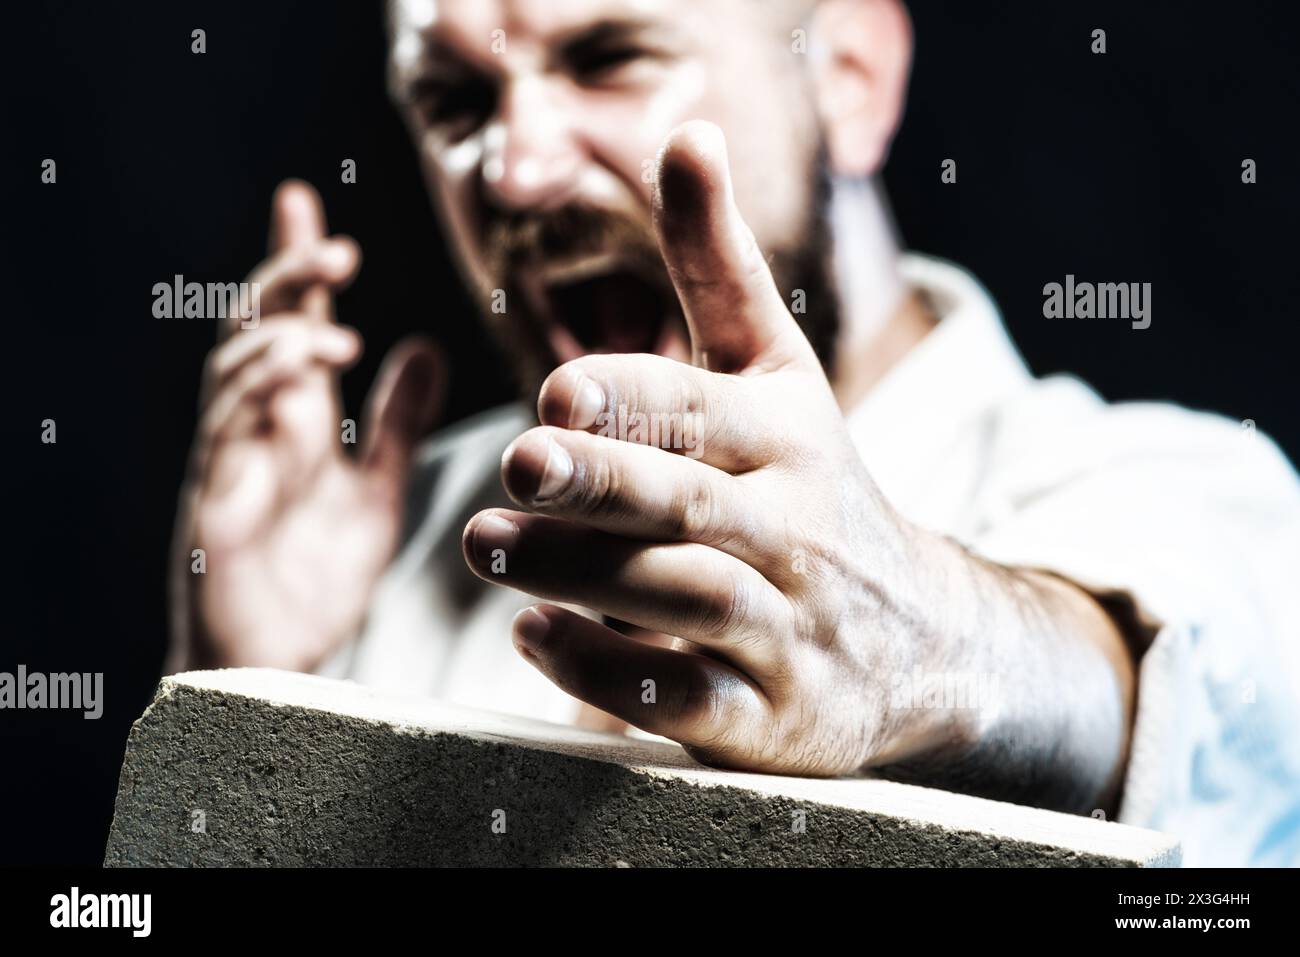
[[772, 140], [630, 130], [450, 174], [455, 162], [772, 193], [674, 101]]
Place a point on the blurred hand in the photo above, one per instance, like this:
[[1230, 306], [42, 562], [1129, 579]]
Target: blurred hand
[[295, 532]]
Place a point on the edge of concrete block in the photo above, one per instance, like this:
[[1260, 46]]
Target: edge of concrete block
[[1073, 839]]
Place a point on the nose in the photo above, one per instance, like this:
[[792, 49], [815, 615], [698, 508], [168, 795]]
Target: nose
[[532, 156]]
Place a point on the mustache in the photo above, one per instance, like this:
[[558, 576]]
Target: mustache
[[572, 231]]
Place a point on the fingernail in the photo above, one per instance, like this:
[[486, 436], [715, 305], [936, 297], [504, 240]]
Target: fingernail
[[493, 536], [531, 628], [556, 473], [588, 403]]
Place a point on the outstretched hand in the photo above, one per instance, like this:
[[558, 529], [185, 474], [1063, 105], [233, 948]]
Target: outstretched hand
[[767, 547]]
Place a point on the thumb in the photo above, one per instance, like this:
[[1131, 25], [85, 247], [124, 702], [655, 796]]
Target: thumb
[[403, 406], [734, 311]]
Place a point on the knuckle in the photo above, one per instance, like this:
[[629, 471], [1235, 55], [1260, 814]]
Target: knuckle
[[695, 513], [726, 608], [696, 706], [599, 487], [690, 395]]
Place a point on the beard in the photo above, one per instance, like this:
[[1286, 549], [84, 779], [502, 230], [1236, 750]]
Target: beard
[[623, 300]]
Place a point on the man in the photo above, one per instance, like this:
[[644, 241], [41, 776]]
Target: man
[[856, 499]]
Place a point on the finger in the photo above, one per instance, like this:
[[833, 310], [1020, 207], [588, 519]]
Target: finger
[[298, 220], [691, 698], [237, 410], [284, 278], [635, 491], [403, 406], [652, 400], [297, 216], [736, 316], [681, 589], [335, 344]]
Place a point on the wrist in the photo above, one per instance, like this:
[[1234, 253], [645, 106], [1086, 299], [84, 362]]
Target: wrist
[[938, 694]]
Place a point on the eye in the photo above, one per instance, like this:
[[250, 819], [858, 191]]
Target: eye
[[456, 108], [599, 62]]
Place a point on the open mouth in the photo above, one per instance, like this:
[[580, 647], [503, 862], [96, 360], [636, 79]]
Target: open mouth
[[606, 307]]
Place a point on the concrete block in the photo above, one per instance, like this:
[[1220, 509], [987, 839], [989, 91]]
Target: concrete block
[[260, 767]]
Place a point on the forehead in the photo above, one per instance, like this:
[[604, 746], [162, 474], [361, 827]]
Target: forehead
[[469, 25], [538, 19]]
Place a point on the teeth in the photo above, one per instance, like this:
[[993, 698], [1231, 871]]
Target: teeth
[[579, 269]]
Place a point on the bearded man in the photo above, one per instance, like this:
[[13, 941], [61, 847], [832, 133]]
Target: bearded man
[[668, 208]]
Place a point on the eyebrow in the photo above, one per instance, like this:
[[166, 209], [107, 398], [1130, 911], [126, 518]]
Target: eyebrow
[[607, 31], [440, 59]]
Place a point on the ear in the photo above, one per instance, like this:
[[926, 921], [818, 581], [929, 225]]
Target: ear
[[860, 68]]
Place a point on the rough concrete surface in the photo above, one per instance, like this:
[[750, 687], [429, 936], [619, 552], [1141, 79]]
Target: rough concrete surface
[[260, 767]]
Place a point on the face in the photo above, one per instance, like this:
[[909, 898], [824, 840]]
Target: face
[[538, 123]]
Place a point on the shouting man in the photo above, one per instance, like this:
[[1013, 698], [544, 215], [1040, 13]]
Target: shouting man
[[782, 488]]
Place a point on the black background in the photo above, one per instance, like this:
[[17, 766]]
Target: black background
[[1119, 167]]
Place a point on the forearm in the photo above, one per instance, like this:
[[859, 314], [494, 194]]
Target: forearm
[[1051, 725]]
